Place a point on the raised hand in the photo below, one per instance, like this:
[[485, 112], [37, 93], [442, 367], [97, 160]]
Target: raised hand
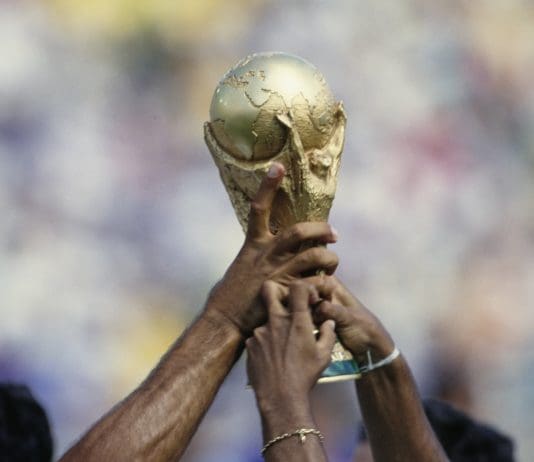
[[266, 256], [285, 359], [358, 329], [396, 424]]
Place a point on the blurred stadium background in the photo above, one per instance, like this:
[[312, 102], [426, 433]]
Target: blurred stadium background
[[114, 223]]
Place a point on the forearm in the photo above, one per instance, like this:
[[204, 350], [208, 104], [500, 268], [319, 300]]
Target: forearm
[[281, 417], [157, 421], [397, 427]]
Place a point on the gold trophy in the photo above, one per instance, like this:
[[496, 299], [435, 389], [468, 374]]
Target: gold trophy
[[278, 107]]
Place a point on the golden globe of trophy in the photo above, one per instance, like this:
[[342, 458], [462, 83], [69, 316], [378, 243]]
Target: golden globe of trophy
[[278, 107]]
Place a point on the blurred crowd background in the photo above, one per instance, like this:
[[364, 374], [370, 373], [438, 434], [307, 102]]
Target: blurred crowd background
[[114, 223]]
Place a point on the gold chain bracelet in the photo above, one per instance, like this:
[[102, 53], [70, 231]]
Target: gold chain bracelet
[[301, 433]]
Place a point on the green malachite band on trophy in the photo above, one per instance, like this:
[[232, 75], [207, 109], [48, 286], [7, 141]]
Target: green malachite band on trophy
[[345, 369], [340, 370]]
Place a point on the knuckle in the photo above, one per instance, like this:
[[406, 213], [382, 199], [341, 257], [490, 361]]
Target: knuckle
[[297, 285], [299, 231], [268, 288], [306, 258], [296, 232], [327, 282], [325, 257], [316, 254], [258, 208], [328, 311], [322, 309], [259, 332]]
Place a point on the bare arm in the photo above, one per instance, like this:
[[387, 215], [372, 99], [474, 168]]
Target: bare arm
[[157, 421], [397, 427], [393, 414], [284, 362]]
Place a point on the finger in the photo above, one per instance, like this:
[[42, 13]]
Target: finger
[[249, 343], [316, 258], [338, 313], [313, 293], [283, 292], [260, 207], [252, 346], [292, 238], [324, 284], [327, 338], [273, 295], [330, 288], [299, 305], [314, 297]]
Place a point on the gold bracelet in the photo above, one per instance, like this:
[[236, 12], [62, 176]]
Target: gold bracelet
[[301, 433]]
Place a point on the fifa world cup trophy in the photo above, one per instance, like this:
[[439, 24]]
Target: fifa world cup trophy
[[278, 107]]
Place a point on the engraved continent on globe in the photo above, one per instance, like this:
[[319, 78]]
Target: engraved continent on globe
[[254, 92]]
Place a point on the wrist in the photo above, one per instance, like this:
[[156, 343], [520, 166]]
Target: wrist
[[222, 322], [235, 304], [369, 338], [283, 416], [393, 376], [380, 342], [287, 402]]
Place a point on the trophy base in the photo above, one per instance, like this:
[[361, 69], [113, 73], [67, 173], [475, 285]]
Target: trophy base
[[343, 366]]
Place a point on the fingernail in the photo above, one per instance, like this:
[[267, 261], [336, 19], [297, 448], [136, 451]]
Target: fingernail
[[332, 324], [334, 232], [275, 170]]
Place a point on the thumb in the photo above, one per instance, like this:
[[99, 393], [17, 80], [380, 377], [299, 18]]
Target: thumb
[[327, 338]]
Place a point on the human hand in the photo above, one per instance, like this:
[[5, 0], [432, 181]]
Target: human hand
[[357, 328], [285, 358], [281, 258]]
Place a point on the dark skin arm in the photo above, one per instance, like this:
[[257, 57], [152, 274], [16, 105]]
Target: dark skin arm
[[396, 424], [157, 421], [285, 359]]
